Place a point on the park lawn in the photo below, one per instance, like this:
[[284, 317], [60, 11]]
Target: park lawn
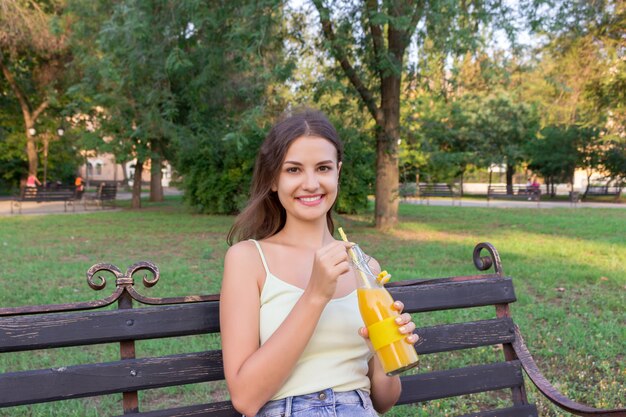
[[569, 268]]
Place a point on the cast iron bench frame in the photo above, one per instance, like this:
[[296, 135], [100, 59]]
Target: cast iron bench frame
[[428, 190], [55, 326], [65, 194]]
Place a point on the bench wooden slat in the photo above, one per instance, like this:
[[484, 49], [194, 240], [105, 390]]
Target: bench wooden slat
[[461, 381], [448, 337], [84, 328], [454, 294], [28, 387], [220, 409], [527, 410]]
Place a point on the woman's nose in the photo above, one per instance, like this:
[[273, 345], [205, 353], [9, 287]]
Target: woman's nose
[[311, 182]]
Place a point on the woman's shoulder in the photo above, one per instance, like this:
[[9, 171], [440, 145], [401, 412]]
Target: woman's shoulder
[[242, 260], [241, 250]]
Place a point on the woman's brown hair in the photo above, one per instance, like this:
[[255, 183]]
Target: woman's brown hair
[[264, 215]]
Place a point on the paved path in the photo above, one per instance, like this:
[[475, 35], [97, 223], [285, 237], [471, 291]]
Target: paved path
[[470, 202], [31, 208], [57, 207]]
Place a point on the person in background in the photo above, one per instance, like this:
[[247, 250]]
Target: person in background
[[80, 187], [32, 181]]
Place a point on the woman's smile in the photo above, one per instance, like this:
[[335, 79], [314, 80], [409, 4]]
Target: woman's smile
[[311, 200]]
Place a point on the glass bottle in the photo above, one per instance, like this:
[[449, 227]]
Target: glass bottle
[[375, 304]]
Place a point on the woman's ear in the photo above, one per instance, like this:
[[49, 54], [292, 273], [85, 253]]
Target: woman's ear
[[339, 164], [274, 188]]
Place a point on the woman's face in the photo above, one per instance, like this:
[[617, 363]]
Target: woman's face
[[308, 180]]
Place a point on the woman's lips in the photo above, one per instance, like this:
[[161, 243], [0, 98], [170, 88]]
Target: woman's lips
[[311, 200]]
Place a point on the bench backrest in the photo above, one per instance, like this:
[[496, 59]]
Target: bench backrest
[[40, 327], [107, 192], [438, 190], [48, 194]]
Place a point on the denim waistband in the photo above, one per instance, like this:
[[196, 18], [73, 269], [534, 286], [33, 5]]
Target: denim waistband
[[286, 406]]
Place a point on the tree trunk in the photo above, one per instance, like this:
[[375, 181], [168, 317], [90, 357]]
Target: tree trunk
[[136, 201], [30, 117], [156, 175], [589, 173], [386, 208], [31, 150], [510, 171], [462, 180], [124, 174], [387, 169]]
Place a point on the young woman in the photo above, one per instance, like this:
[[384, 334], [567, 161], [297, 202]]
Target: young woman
[[292, 336]]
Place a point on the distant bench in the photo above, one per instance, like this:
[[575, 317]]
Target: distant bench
[[43, 195], [601, 190], [64, 325], [519, 193], [105, 195], [426, 191]]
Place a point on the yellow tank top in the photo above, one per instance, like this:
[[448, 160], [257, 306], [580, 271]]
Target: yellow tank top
[[336, 356]]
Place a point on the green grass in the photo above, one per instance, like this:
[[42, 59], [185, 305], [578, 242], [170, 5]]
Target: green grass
[[577, 334]]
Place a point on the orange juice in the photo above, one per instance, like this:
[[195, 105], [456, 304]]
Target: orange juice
[[375, 305], [392, 349]]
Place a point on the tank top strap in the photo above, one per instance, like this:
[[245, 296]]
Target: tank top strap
[[258, 246]]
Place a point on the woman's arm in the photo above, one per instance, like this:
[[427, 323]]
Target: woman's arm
[[255, 373]]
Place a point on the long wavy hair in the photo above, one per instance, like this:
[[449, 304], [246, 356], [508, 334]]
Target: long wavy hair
[[264, 215]]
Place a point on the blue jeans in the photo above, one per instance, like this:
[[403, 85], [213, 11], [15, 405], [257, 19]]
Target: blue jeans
[[326, 403]]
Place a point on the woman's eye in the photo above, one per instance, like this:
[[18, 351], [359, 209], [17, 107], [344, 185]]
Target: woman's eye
[[292, 170], [324, 168]]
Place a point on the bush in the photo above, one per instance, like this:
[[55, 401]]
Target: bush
[[217, 172]]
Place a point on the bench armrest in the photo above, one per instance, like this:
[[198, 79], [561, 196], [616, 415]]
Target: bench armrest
[[554, 395]]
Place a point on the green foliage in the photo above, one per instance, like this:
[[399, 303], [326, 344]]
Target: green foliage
[[225, 76], [471, 131], [217, 171], [554, 153], [357, 171], [614, 162]]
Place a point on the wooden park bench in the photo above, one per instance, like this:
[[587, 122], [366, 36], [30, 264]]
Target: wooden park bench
[[105, 195], [43, 195], [519, 193], [58, 326], [426, 191]]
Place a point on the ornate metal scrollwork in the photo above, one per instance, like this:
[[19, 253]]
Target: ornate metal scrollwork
[[124, 282], [145, 266], [483, 263], [101, 267]]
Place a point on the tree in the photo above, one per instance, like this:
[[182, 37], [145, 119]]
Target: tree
[[228, 75], [125, 85], [554, 154], [32, 55], [614, 163], [372, 54], [506, 125]]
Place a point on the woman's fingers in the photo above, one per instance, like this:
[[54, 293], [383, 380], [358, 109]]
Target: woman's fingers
[[364, 333], [403, 319]]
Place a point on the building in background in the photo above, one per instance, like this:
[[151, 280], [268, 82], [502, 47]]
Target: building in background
[[102, 167]]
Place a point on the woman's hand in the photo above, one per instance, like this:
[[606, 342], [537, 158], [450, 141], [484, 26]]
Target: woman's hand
[[404, 323], [330, 262]]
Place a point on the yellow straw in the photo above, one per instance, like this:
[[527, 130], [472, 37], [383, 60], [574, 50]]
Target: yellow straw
[[354, 259]]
